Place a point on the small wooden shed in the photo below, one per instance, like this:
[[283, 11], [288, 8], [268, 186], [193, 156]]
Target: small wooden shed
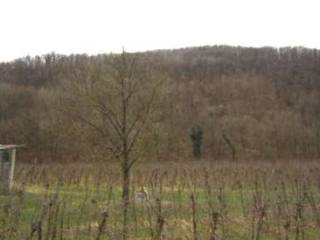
[[7, 164]]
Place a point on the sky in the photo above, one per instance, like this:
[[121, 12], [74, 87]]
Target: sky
[[36, 27]]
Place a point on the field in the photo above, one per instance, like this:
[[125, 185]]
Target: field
[[191, 200]]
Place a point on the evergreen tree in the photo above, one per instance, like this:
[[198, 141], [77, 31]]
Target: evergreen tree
[[196, 138]]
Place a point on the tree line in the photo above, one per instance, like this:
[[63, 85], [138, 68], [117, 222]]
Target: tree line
[[247, 103]]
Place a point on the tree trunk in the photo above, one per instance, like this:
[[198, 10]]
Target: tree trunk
[[125, 199]]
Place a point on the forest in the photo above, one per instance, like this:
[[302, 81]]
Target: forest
[[248, 103]]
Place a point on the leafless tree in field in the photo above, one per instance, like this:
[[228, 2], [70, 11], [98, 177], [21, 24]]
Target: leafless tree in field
[[116, 102]]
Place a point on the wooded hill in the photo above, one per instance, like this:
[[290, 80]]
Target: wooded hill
[[253, 103]]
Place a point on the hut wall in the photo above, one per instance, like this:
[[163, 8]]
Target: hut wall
[[5, 171]]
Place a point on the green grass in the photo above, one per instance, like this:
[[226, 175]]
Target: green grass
[[75, 210], [84, 207]]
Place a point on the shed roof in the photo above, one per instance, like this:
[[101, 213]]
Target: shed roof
[[10, 146]]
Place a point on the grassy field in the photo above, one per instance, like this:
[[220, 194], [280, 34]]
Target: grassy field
[[193, 200]]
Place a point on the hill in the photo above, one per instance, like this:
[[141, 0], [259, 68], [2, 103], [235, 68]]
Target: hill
[[265, 101]]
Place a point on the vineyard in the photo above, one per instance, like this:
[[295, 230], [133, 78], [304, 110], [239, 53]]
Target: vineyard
[[191, 200]]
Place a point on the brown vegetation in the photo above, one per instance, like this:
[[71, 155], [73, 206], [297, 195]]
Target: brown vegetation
[[189, 200], [264, 101]]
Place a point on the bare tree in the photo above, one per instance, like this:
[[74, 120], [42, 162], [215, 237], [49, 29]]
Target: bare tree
[[116, 101]]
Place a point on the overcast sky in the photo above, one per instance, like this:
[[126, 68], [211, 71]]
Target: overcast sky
[[35, 27]]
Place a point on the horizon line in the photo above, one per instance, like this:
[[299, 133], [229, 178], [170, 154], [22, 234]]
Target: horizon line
[[154, 50]]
